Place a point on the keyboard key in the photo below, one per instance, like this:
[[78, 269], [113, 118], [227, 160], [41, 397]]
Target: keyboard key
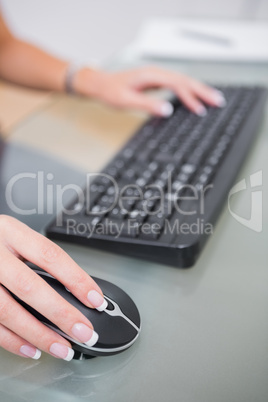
[[150, 232], [130, 229]]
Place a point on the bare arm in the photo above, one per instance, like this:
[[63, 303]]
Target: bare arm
[[25, 64]]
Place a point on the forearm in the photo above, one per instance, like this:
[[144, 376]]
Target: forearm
[[25, 64]]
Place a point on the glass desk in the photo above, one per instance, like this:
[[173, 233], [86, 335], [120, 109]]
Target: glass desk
[[204, 330]]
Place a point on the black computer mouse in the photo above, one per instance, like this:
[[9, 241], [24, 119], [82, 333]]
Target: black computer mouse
[[118, 326]]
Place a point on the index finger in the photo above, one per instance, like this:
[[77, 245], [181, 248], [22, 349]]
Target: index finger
[[49, 256]]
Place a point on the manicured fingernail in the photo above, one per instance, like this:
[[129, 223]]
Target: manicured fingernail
[[219, 98], [166, 109], [30, 351], [97, 300], [85, 334], [62, 351], [201, 110]]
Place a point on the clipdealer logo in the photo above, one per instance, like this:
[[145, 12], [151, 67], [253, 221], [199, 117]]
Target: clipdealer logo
[[100, 218], [255, 220]]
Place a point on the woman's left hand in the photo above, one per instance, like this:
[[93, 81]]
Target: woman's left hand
[[124, 89]]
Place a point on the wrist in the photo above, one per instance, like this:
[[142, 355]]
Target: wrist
[[87, 82]]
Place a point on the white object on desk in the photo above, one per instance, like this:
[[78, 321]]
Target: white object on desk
[[200, 39]]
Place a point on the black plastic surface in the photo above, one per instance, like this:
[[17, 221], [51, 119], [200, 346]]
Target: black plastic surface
[[244, 111]]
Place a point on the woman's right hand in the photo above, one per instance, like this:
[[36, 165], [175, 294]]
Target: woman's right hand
[[20, 332]]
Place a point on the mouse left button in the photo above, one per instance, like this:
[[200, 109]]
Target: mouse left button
[[110, 306]]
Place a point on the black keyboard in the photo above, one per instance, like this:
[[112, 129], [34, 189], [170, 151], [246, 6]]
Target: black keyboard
[[160, 196]]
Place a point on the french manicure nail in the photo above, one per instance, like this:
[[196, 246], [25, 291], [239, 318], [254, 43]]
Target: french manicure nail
[[97, 300], [85, 334], [219, 98], [62, 351], [30, 351], [166, 109], [201, 110]]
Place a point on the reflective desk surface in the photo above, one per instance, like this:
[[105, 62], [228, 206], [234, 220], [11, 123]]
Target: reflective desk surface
[[204, 330]]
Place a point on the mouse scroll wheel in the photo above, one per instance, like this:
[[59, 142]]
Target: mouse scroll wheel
[[110, 306]]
